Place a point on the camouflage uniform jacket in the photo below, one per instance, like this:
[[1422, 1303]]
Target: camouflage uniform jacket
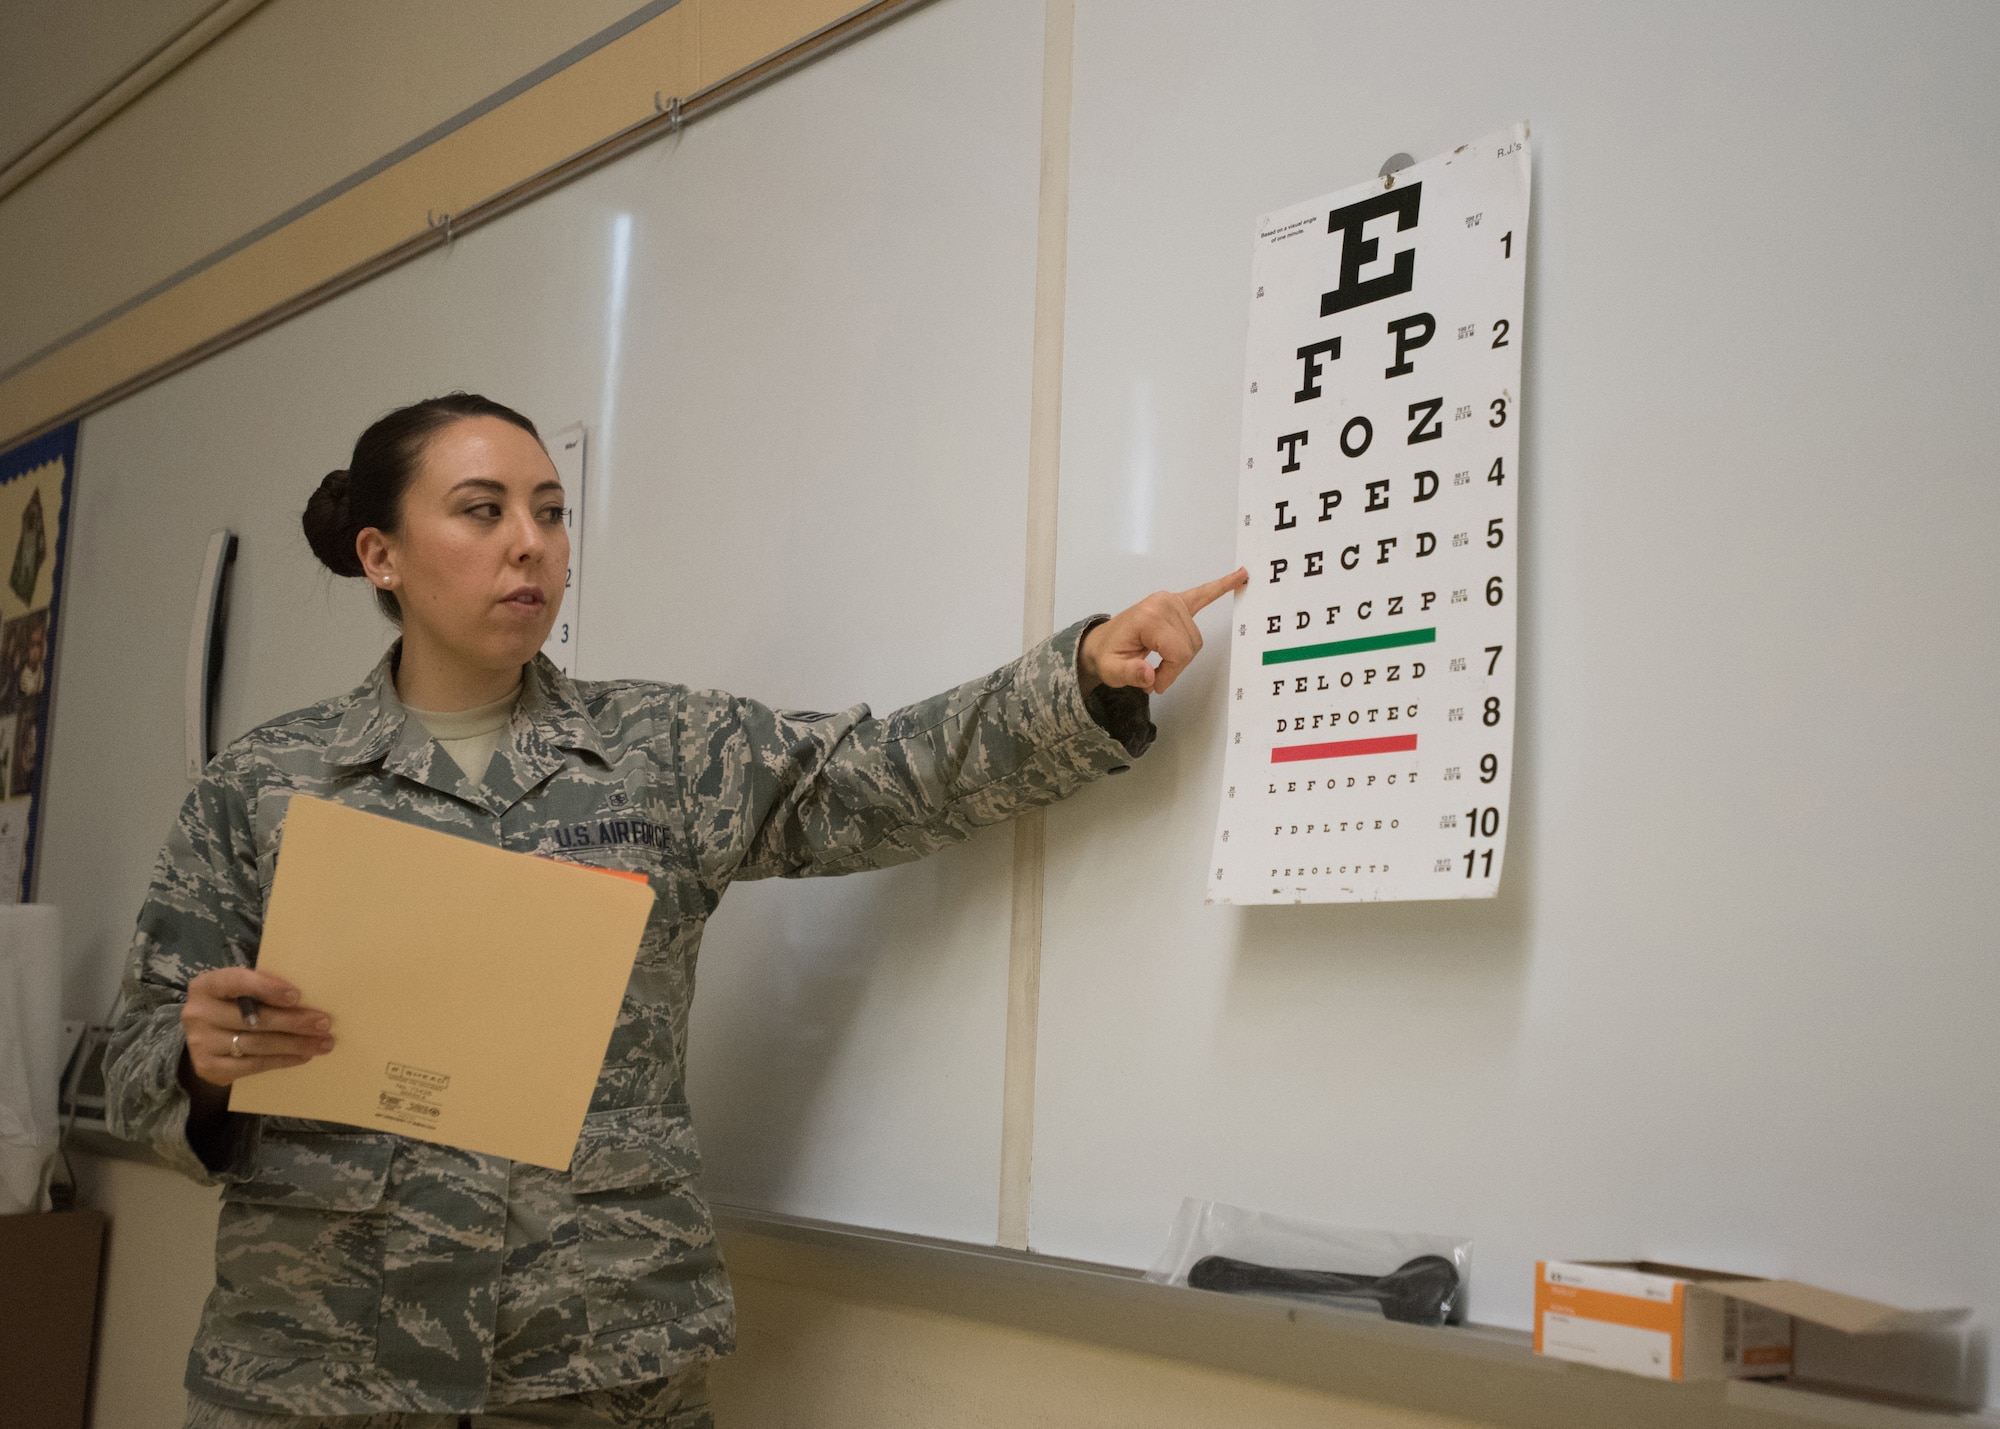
[[359, 1271]]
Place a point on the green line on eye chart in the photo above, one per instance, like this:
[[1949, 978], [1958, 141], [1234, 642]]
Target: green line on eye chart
[[1350, 647]]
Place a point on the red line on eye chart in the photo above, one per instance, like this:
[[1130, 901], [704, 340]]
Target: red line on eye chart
[[1343, 748]]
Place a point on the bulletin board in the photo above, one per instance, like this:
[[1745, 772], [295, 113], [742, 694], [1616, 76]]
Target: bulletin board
[[34, 521]]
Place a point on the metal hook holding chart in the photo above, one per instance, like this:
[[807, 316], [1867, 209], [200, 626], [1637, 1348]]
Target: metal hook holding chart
[[671, 108]]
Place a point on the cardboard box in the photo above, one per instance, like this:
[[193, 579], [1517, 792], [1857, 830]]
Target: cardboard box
[[1677, 1322]]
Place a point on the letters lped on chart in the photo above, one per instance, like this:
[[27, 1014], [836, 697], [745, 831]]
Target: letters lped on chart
[[1371, 684]]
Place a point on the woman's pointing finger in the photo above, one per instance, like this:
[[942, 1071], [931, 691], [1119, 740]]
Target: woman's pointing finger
[[1209, 591]]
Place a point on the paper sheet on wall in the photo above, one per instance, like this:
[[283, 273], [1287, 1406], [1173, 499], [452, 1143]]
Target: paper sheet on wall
[[566, 450], [1371, 692]]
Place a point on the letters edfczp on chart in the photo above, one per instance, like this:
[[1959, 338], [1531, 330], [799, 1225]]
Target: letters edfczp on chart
[[1371, 685]]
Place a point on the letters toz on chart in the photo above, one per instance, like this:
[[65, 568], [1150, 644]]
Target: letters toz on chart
[[1371, 691]]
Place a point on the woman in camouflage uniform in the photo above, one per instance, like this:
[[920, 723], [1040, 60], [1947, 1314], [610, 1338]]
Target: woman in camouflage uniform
[[364, 1278]]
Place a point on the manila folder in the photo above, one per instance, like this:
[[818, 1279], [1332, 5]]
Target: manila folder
[[472, 991]]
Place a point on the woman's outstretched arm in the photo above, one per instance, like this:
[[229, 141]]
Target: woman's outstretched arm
[[774, 793]]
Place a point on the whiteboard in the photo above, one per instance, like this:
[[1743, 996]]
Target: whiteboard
[[1732, 1004]]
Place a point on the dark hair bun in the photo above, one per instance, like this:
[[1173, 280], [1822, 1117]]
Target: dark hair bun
[[329, 526]]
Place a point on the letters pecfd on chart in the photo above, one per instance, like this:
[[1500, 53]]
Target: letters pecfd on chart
[[1371, 690]]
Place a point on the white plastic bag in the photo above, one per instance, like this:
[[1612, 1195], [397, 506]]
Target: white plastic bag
[[31, 1050], [1419, 1279]]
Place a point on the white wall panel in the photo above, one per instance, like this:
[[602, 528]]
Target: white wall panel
[[1732, 1005]]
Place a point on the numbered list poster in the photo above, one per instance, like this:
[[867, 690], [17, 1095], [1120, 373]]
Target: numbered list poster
[[1371, 699]]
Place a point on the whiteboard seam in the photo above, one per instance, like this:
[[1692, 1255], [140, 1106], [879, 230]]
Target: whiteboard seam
[[1038, 605]]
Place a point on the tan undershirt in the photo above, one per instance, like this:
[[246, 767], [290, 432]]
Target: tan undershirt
[[470, 736]]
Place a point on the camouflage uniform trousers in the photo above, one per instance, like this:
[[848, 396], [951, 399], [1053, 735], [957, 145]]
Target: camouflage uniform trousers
[[677, 1402]]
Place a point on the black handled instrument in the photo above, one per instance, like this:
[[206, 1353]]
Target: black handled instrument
[[1418, 1292]]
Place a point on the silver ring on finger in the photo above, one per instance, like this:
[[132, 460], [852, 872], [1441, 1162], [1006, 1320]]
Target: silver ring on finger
[[236, 1044]]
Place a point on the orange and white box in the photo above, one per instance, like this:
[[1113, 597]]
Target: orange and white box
[[1665, 1321], [1675, 1322]]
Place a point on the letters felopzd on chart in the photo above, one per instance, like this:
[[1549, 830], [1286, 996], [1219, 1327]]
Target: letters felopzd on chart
[[1371, 689]]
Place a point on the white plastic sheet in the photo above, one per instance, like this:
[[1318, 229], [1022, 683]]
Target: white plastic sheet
[[31, 1050], [1408, 1276]]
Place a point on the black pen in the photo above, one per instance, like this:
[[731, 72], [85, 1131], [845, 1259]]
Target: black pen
[[246, 1004]]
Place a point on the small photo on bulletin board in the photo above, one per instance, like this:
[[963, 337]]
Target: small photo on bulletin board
[[34, 520]]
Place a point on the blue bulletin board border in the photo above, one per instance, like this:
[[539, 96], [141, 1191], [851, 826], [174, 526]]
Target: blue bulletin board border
[[56, 445]]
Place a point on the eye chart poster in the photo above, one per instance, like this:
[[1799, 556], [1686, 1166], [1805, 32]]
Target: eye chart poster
[[1371, 692]]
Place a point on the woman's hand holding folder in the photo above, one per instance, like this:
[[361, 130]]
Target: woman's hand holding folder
[[225, 1042]]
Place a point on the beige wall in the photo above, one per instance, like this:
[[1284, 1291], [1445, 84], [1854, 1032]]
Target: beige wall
[[158, 1265], [57, 55], [811, 1360]]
